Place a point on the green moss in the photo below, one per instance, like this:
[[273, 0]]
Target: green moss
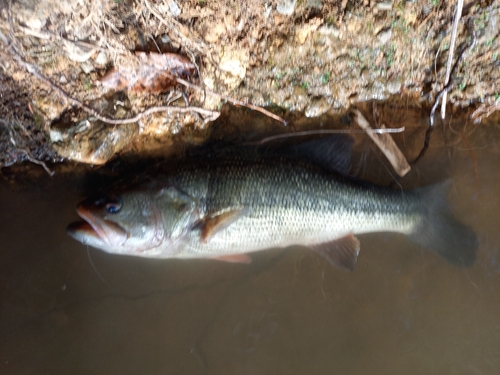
[[325, 78]]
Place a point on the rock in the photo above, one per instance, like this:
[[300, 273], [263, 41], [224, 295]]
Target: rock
[[378, 90], [286, 7], [92, 142], [318, 4], [174, 9], [101, 58], [299, 100], [85, 139], [394, 86], [212, 34], [267, 11], [87, 67], [78, 52], [317, 107], [234, 65], [56, 136], [306, 30], [384, 6], [330, 30], [384, 36]]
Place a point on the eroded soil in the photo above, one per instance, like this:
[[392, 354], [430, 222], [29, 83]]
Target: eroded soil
[[299, 59]]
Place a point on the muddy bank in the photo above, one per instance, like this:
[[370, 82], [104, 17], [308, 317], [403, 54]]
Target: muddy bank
[[304, 59]]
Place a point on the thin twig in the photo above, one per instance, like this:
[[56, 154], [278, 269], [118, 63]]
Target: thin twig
[[209, 115], [187, 84], [178, 26], [445, 89], [27, 153], [231, 100], [458, 14], [32, 69], [39, 162], [325, 131], [482, 112]]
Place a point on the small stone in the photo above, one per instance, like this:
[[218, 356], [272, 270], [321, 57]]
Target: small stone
[[286, 7], [299, 100], [330, 30], [318, 4], [378, 90], [87, 67], [394, 87], [63, 80], [56, 135], [213, 34], [101, 58], [174, 9], [267, 11], [234, 64], [302, 35], [306, 30], [78, 53], [385, 6], [36, 23], [97, 143], [317, 107], [384, 36]]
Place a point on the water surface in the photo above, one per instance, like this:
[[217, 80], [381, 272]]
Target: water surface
[[67, 309]]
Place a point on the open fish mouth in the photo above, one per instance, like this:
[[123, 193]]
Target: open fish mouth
[[81, 230], [96, 231]]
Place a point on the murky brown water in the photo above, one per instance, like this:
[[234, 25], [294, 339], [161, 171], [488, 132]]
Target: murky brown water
[[403, 310]]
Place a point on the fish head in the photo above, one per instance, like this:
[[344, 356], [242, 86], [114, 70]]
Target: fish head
[[139, 222], [118, 223]]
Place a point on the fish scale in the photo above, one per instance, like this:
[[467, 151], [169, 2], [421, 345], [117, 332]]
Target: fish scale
[[226, 208], [291, 203]]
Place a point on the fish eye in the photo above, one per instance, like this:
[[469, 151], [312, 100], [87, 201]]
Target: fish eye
[[114, 206]]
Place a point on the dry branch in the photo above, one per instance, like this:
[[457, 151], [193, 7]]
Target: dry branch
[[386, 144], [230, 100], [458, 14], [482, 112], [325, 131]]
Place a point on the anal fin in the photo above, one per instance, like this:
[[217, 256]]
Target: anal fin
[[341, 253]]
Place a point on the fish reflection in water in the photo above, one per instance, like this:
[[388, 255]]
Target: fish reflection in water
[[225, 208]]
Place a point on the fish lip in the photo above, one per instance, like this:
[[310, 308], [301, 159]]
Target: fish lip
[[106, 231], [82, 231]]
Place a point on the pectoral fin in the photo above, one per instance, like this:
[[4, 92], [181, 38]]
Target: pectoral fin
[[341, 253], [235, 258], [220, 221]]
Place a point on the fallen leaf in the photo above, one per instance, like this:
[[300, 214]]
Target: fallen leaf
[[150, 75]]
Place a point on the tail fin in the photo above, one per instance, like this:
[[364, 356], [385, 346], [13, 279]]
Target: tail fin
[[442, 232]]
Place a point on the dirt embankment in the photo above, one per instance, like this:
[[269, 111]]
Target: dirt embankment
[[313, 57]]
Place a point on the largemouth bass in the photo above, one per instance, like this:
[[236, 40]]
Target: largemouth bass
[[227, 209]]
